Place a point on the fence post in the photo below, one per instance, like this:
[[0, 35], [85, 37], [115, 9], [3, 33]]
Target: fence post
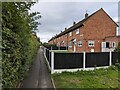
[[51, 48], [52, 62], [49, 55], [45, 51], [110, 60], [84, 54]]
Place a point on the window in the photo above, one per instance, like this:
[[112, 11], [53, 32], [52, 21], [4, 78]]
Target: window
[[107, 44], [74, 41], [77, 31], [58, 44], [70, 45], [91, 43], [113, 44], [63, 42], [70, 34], [65, 35], [117, 31], [79, 43]]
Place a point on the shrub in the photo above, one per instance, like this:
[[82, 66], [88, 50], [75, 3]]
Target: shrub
[[19, 46]]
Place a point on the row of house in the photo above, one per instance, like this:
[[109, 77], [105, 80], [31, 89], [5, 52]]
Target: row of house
[[95, 33]]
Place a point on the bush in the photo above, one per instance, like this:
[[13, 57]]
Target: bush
[[19, 45], [118, 48]]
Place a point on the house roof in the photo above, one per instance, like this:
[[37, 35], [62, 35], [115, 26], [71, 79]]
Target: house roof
[[79, 24]]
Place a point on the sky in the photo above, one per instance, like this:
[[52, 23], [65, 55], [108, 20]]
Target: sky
[[56, 16]]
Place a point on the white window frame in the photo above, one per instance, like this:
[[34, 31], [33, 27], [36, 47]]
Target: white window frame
[[114, 44], [103, 44], [91, 43], [70, 44], [63, 42], [70, 34], [77, 31], [117, 31], [79, 43]]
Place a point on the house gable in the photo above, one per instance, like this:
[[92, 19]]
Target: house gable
[[99, 26]]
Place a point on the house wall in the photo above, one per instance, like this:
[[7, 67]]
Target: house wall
[[96, 28], [50, 42], [113, 39]]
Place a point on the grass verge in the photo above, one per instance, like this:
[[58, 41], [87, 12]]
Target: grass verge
[[99, 78]]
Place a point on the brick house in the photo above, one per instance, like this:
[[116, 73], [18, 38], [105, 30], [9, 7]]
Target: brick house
[[92, 34]]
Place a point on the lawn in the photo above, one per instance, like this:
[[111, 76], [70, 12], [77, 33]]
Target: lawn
[[100, 78]]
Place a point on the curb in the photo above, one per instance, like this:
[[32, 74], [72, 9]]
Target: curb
[[53, 83], [19, 85]]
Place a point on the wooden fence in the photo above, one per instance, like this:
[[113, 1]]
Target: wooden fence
[[59, 62]]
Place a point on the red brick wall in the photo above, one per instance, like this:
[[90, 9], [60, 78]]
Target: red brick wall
[[96, 28]]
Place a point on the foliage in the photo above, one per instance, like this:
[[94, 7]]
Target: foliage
[[118, 48], [19, 45]]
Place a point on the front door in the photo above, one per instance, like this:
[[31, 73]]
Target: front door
[[74, 48], [92, 50]]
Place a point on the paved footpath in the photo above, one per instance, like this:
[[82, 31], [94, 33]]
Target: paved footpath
[[38, 75]]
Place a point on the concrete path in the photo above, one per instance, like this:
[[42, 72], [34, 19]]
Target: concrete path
[[38, 75]]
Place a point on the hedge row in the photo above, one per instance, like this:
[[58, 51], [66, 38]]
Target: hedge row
[[19, 45]]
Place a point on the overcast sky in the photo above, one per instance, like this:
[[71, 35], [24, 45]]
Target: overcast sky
[[56, 16]]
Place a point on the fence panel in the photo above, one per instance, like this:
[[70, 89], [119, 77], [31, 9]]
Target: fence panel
[[115, 57], [50, 59], [48, 56], [63, 48], [68, 60], [97, 59]]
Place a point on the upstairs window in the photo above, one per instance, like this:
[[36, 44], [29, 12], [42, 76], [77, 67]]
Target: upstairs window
[[79, 43], [91, 43], [70, 34], [77, 31], [65, 35], [117, 31]]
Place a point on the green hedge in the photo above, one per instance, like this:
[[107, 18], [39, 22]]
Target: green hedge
[[16, 61], [11, 58], [19, 45]]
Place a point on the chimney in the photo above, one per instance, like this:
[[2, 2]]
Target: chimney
[[65, 28], [74, 23], [61, 31], [86, 15]]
